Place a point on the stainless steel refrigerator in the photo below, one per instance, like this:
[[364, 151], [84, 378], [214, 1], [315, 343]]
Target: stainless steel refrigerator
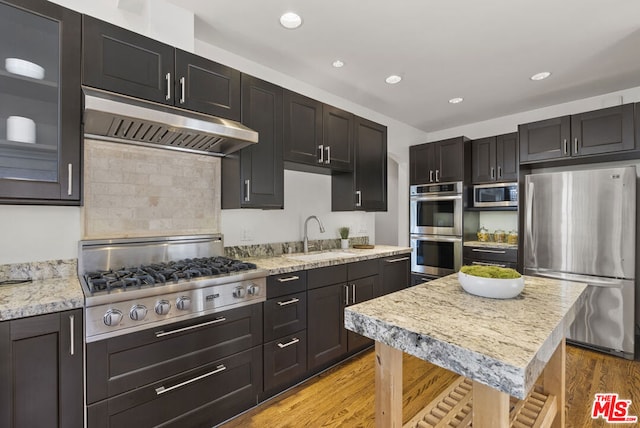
[[581, 225]]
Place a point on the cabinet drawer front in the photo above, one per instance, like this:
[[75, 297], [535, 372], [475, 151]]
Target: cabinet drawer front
[[326, 276], [287, 283], [202, 397], [285, 360], [285, 315], [127, 362], [362, 269], [490, 254]]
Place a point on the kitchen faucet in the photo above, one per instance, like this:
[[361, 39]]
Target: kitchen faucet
[[306, 239]]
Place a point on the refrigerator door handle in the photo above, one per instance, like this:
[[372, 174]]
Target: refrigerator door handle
[[529, 222], [597, 282]]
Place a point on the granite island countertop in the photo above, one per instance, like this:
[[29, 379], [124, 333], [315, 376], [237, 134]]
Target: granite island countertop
[[286, 263], [504, 344], [53, 287]]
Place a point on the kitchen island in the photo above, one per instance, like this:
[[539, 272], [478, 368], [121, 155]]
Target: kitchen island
[[501, 349]]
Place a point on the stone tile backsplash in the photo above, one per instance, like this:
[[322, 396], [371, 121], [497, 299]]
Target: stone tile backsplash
[[133, 191]]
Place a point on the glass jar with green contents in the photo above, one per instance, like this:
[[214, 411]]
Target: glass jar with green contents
[[483, 234]]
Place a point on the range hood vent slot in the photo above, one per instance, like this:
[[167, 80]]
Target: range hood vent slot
[[119, 118]]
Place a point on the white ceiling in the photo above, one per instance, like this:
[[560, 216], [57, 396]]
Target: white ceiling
[[484, 51]]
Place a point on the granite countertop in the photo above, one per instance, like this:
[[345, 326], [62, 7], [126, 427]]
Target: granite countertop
[[490, 245], [54, 287], [286, 263], [504, 344]]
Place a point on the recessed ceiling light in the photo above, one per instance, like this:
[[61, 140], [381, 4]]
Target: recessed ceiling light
[[456, 100], [290, 20], [337, 63], [393, 79], [540, 76]]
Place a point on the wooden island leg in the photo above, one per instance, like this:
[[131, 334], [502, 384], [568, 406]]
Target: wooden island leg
[[388, 386], [553, 381], [490, 407]]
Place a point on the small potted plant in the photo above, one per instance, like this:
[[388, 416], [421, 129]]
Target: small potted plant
[[344, 237]]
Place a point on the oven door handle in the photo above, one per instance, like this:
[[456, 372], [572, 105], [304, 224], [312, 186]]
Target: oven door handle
[[162, 389], [436, 198], [191, 327], [436, 238]]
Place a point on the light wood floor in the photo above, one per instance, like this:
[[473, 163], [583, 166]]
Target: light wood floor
[[344, 395]]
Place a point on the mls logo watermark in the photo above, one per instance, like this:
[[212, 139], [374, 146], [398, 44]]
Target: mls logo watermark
[[612, 409]]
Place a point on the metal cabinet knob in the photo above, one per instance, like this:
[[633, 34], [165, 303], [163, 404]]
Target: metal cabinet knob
[[138, 312], [112, 317]]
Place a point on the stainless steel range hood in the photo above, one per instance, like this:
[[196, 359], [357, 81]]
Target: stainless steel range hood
[[119, 118]]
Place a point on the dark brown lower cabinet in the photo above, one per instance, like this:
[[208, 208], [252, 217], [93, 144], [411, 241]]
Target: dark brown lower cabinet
[[198, 372], [202, 397], [285, 361], [41, 371], [360, 290], [325, 317], [394, 273]]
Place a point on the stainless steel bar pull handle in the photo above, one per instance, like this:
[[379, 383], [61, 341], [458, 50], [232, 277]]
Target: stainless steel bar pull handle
[[180, 330], [182, 90], [499, 171], [359, 201], [293, 341], [289, 278], [247, 190], [437, 175], [397, 260], [328, 159], [289, 302], [168, 78], [575, 145], [565, 146], [478, 250], [70, 179], [346, 294], [430, 176], [321, 148], [353, 294], [72, 335], [493, 172], [488, 264], [162, 389]]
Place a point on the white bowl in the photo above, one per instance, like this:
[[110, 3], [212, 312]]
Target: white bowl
[[495, 288], [24, 68], [21, 129]]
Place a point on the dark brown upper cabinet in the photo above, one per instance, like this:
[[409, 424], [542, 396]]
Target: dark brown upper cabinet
[[337, 133], [302, 129], [365, 188], [603, 131], [494, 159], [438, 162], [40, 103], [254, 176], [129, 63], [317, 134]]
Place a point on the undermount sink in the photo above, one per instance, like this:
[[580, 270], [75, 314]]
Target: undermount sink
[[315, 257]]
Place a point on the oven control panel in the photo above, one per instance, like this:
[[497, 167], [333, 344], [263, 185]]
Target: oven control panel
[[113, 319]]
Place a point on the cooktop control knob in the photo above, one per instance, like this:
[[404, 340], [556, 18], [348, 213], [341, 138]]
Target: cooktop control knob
[[112, 317], [162, 307], [183, 303], [253, 289], [239, 292], [138, 312]]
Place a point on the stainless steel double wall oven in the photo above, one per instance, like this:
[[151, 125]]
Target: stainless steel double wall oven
[[436, 213]]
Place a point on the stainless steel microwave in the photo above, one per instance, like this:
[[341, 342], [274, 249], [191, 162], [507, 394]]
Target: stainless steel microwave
[[495, 195]]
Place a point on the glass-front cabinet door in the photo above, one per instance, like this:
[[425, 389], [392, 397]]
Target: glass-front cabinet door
[[40, 103]]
